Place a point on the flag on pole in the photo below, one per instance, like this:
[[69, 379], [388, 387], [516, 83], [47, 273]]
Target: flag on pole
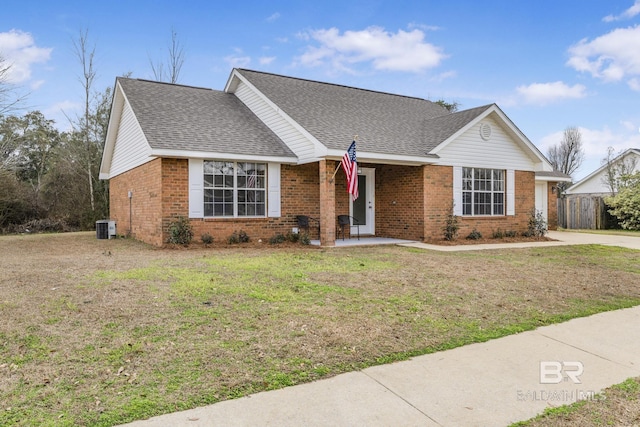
[[350, 167]]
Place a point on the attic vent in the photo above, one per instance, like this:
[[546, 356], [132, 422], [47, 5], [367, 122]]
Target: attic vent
[[485, 131]]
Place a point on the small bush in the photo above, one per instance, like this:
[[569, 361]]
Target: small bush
[[451, 226], [510, 233], [180, 231], [238, 237], [243, 237], [206, 238], [277, 239], [293, 237], [497, 234], [304, 239], [537, 225], [474, 235]]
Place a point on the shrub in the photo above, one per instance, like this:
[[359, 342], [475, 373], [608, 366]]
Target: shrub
[[243, 237], [451, 226], [304, 239], [293, 237], [238, 237], [474, 235], [206, 238], [626, 204], [497, 234], [277, 239], [510, 233], [537, 226], [180, 231]]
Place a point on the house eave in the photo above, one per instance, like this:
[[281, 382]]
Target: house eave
[[187, 154], [384, 158]]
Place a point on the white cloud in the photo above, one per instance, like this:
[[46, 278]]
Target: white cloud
[[402, 51], [627, 14], [36, 84], [545, 93], [274, 17], [266, 60], [610, 57], [634, 84], [444, 76], [20, 52], [238, 59]]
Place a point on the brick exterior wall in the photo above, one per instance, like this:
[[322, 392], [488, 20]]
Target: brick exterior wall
[[145, 222], [400, 202], [412, 202], [439, 198], [552, 209]]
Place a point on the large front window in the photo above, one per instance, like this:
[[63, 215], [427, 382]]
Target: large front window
[[234, 189], [482, 191]]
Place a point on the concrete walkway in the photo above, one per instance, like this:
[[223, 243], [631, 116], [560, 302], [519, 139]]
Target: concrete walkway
[[487, 384], [562, 238]]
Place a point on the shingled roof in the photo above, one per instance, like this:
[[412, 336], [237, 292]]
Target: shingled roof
[[384, 123], [176, 117]]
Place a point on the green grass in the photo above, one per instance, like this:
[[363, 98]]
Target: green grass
[[185, 329]]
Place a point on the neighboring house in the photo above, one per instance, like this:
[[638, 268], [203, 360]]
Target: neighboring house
[[583, 205], [597, 183], [264, 150]]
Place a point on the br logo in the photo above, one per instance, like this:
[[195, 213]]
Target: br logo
[[554, 372]]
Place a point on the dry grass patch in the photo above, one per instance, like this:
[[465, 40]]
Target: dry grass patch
[[100, 332]]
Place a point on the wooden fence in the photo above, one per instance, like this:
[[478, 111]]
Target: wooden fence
[[585, 212]]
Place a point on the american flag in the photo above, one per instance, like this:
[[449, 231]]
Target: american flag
[[350, 167]]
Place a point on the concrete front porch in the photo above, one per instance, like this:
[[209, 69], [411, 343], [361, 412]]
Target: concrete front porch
[[366, 241]]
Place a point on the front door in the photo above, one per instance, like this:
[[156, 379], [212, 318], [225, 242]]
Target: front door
[[541, 199], [363, 208]]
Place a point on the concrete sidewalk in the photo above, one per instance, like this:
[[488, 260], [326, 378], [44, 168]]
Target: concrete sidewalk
[[494, 383], [488, 384], [561, 238]]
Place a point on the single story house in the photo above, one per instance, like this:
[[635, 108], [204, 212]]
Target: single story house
[[597, 183], [264, 150], [583, 204]]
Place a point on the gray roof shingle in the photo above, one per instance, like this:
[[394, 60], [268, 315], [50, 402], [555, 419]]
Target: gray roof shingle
[[333, 114], [176, 117]]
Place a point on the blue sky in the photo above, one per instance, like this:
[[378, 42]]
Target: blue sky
[[547, 64]]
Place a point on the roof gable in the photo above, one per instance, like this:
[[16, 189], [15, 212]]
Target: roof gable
[[184, 118], [460, 122], [333, 114]]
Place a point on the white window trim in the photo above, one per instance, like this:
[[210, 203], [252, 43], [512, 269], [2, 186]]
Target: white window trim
[[196, 192], [508, 193]]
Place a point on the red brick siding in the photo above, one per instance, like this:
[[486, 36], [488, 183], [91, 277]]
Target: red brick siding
[[552, 202], [439, 198], [412, 202], [400, 202], [146, 204]]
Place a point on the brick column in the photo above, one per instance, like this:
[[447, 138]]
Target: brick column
[[327, 204]]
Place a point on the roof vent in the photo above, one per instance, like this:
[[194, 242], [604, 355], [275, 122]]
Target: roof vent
[[485, 131]]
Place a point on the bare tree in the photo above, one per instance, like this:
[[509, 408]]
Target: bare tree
[[86, 56], [176, 60], [617, 167], [9, 98], [567, 156]]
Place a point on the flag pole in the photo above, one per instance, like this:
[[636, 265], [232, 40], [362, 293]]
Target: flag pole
[[355, 138]]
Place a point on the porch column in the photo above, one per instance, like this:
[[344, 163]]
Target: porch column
[[327, 204]]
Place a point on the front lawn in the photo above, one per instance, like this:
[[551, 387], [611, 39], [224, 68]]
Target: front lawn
[[102, 332]]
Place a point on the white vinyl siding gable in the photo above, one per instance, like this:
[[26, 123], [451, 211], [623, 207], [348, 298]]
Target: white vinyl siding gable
[[131, 148], [499, 152], [297, 142]]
